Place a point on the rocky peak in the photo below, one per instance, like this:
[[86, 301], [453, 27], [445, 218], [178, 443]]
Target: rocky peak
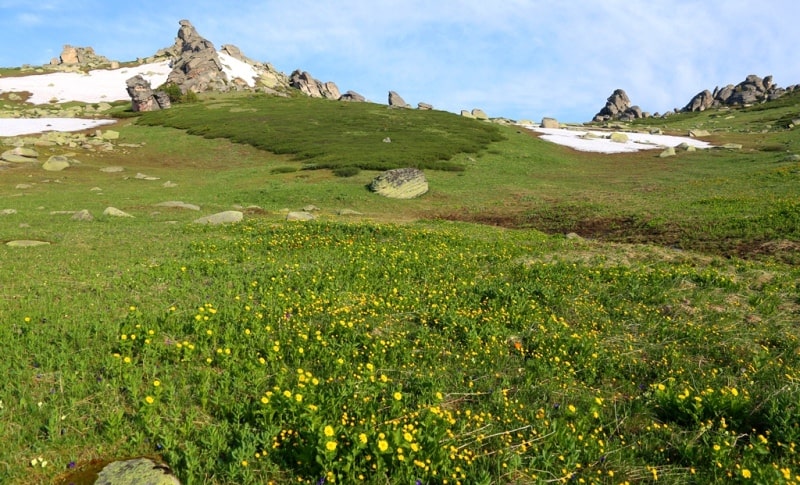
[[197, 66], [618, 107]]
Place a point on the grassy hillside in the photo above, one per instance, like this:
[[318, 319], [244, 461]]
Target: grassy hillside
[[407, 343]]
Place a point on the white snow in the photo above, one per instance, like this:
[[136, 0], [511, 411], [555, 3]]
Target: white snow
[[636, 141], [93, 87], [28, 126], [234, 68]]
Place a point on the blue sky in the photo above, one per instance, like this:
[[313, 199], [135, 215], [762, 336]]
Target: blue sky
[[522, 59]]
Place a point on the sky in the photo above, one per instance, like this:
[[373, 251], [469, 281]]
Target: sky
[[519, 59]]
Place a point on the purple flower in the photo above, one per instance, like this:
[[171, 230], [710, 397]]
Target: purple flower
[[71, 464], [321, 481]]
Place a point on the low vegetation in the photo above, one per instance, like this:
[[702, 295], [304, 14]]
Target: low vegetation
[[455, 338]]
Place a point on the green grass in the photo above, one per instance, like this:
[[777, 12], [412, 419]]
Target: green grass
[[332, 134], [663, 344]]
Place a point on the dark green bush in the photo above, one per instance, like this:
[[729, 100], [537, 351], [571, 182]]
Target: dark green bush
[[348, 171]]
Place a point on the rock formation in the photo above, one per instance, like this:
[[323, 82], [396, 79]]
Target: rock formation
[[80, 56], [196, 66], [353, 96], [752, 90], [397, 101], [618, 107], [143, 98], [309, 86]]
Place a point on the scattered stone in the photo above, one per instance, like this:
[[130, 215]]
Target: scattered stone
[[550, 123], [310, 208], [698, 133], [26, 243], [387, 140], [300, 216], [348, 212], [573, 236], [400, 183], [112, 169], [226, 217], [424, 106], [56, 163], [353, 96], [7, 212], [114, 212], [23, 186], [169, 185], [669, 152], [732, 146], [177, 204], [619, 137], [139, 471], [83, 215], [109, 135], [141, 176]]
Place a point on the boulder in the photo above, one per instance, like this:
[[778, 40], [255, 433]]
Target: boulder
[[700, 102], [83, 215], [550, 123], [466, 114], [618, 137], [479, 114], [312, 87], [696, 133], [196, 66], [397, 101], [56, 163], [669, 152], [177, 204], [400, 183], [20, 155], [300, 216], [226, 217], [353, 96], [143, 98], [138, 471], [424, 106], [114, 212]]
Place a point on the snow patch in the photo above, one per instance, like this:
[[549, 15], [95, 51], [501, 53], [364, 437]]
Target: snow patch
[[29, 126], [594, 141]]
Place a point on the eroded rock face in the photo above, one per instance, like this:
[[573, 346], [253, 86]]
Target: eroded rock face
[[197, 66], [400, 183], [143, 98]]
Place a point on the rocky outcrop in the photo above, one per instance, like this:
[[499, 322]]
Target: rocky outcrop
[[752, 90], [80, 56], [395, 100], [196, 66], [143, 98], [400, 183], [618, 107], [310, 86]]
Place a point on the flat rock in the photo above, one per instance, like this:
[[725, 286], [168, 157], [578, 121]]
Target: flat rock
[[141, 176], [139, 471], [26, 243], [400, 183], [348, 212], [14, 158], [169, 184], [669, 152], [112, 169], [300, 216], [696, 133], [732, 146], [56, 163], [23, 186], [177, 204], [7, 212], [114, 212], [226, 217], [83, 215]]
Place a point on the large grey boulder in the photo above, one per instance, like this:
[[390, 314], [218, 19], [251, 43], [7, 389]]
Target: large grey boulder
[[226, 217], [353, 96], [56, 163], [395, 100], [19, 155], [550, 123], [616, 105], [143, 98], [700, 102], [400, 183], [139, 471]]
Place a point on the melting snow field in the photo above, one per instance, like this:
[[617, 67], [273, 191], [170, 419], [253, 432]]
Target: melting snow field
[[100, 85], [596, 142]]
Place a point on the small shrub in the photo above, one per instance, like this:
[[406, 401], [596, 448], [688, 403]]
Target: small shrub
[[346, 171], [283, 169]]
